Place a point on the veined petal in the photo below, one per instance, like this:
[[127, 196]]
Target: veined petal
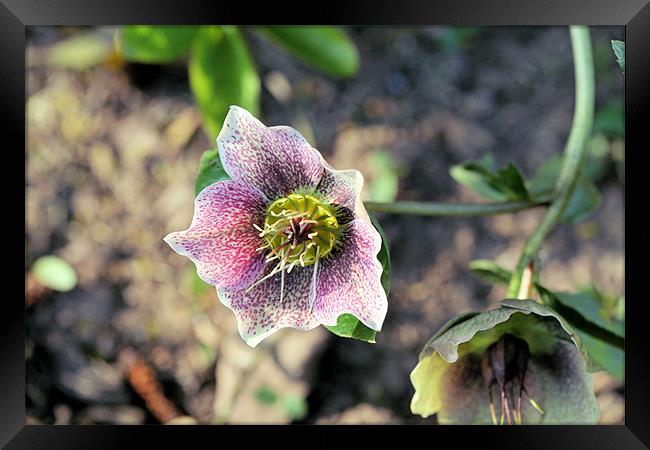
[[350, 280], [276, 160], [227, 205], [343, 187], [221, 240], [228, 258], [260, 312]]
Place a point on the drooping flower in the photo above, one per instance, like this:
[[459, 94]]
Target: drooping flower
[[516, 364], [286, 241]]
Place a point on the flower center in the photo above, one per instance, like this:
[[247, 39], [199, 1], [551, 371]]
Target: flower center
[[504, 367], [300, 229]]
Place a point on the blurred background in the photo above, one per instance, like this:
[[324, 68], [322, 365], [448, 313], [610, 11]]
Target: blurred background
[[119, 327]]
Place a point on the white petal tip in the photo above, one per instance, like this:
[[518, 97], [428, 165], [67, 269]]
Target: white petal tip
[[172, 240]]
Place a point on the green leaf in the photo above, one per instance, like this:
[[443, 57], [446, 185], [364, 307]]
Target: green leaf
[[156, 44], [350, 327], [327, 49], [585, 199], [546, 175], [619, 51], [610, 120], [480, 176], [594, 168], [222, 74], [602, 345], [592, 310], [474, 175], [511, 181], [490, 271], [610, 357], [210, 171], [54, 273]]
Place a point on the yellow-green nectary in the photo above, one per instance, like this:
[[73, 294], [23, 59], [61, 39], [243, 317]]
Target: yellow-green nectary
[[300, 229]]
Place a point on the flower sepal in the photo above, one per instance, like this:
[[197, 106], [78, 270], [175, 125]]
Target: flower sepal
[[520, 363]]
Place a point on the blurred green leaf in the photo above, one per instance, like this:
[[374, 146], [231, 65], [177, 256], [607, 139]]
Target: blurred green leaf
[[603, 340], [384, 184], [265, 395], [546, 175], [592, 310], [595, 168], [481, 177], [54, 273], [610, 119], [595, 323], [327, 49], [350, 327], [613, 306], [490, 271], [222, 74], [210, 170], [511, 182], [599, 160], [473, 175], [587, 310], [585, 199], [80, 51], [610, 357], [619, 51], [156, 44], [295, 406]]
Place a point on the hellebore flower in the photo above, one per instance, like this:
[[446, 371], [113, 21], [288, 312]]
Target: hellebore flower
[[286, 241], [519, 363]]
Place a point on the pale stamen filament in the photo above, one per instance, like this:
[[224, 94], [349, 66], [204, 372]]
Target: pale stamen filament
[[312, 296]]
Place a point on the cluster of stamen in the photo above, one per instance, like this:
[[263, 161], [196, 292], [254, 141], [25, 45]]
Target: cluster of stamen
[[298, 230], [504, 369]]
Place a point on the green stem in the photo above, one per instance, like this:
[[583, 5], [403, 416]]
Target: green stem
[[575, 151], [453, 209]]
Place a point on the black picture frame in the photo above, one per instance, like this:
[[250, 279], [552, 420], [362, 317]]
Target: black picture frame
[[16, 15]]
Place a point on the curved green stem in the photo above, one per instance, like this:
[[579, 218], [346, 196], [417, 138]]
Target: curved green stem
[[575, 151], [454, 209]]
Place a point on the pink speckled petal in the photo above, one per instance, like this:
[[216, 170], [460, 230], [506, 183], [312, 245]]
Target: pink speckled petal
[[221, 240], [276, 160], [343, 187], [350, 281], [260, 313]]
